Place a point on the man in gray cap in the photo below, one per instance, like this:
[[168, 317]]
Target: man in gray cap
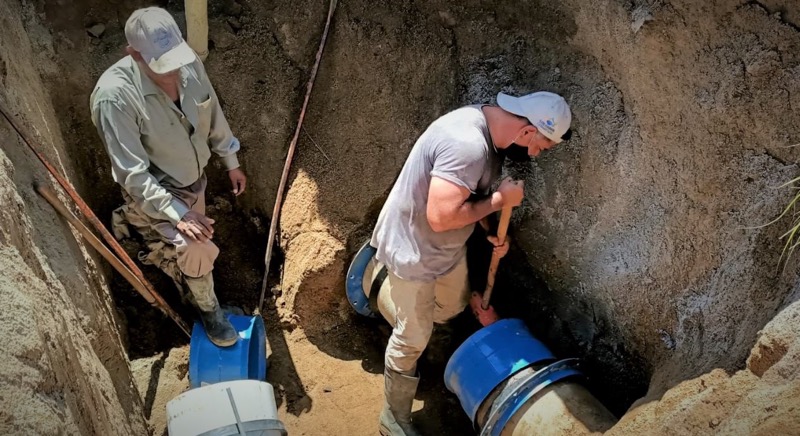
[[160, 120], [420, 238]]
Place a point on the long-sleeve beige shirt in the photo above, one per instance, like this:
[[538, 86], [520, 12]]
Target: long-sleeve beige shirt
[[155, 146]]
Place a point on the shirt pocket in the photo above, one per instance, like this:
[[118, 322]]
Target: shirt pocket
[[204, 113]]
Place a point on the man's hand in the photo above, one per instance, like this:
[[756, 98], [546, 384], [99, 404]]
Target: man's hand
[[499, 250], [196, 226], [485, 317], [510, 192], [238, 180]]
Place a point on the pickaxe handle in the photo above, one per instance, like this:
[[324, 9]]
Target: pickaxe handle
[[502, 230]]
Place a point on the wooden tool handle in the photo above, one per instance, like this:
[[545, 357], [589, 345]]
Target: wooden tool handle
[[51, 197], [502, 230]]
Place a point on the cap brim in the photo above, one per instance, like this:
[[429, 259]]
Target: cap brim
[[174, 59]]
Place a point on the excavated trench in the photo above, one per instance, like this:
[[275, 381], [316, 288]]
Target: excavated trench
[[636, 248]]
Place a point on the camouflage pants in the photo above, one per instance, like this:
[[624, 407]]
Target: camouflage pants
[[189, 263]]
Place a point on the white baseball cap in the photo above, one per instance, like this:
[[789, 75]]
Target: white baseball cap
[[548, 112], [154, 33]]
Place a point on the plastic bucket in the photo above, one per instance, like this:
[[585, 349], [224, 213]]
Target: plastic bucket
[[242, 407], [489, 357], [247, 359]]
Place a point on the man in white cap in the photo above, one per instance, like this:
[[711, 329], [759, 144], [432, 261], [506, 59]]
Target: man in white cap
[[160, 120], [443, 189]]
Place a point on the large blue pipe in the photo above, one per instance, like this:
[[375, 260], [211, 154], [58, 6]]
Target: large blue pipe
[[509, 383]]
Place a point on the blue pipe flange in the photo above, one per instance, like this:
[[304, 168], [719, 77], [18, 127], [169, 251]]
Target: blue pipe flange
[[358, 278], [489, 357], [510, 403]]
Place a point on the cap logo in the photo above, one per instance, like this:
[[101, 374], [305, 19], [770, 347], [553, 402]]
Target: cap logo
[[547, 125], [163, 39]]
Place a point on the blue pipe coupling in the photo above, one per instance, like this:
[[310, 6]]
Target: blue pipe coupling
[[492, 356]]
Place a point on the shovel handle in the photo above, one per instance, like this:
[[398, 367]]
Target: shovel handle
[[502, 230]]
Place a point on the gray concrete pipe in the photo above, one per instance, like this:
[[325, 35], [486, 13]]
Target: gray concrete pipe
[[560, 409]]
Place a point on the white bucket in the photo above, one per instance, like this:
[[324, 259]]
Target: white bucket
[[242, 407]]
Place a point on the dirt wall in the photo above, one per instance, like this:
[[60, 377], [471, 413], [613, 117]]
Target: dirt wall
[[640, 226], [761, 399], [63, 365], [635, 245]]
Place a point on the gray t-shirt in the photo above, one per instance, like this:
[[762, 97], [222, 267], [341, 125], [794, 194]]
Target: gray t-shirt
[[458, 148]]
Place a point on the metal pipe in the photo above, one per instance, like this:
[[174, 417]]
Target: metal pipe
[[276, 210], [51, 197], [197, 26], [87, 234], [89, 215]]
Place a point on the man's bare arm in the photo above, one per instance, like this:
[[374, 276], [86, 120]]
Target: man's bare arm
[[448, 208]]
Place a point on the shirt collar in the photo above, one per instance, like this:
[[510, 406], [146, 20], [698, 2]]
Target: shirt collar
[[147, 86], [487, 132]]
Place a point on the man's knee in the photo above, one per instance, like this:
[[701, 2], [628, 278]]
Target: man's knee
[[403, 357], [196, 259], [404, 349]]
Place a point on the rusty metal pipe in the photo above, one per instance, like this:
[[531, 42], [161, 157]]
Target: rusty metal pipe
[[51, 197], [87, 234], [276, 210], [89, 215]]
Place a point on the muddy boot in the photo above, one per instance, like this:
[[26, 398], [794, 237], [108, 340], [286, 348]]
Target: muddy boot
[[399, 395], [219, 330]]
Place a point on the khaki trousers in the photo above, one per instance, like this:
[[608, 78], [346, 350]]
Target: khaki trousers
[[411, 307], [184, 260]]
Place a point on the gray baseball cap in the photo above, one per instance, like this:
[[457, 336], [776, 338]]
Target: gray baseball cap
[[154, 33]]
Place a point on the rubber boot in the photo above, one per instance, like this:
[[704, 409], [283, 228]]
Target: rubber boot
[[220, 331], [399, 395]]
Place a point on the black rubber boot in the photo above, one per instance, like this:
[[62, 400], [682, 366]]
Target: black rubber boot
[[220, 331]]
